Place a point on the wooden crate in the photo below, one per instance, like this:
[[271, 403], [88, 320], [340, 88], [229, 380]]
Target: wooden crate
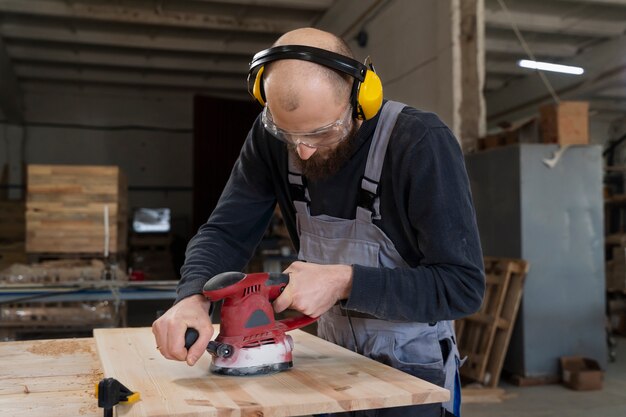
[[566, 123], [484, 336], [65, 208]]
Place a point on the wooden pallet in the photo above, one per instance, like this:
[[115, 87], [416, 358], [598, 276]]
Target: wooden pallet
[[60, 271], [484, 336], [65, 313], [50, 319]]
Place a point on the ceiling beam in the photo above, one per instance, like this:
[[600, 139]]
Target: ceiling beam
[[116, 12], [130, 77], [614, 92], [11, 99], [133, 39], [504, 67], [126, 58], [544, 23], [315, 5], [604, 64], [546, 49], [604, 105], [158, 92], [344, 17], [494, 83], [599, 2]]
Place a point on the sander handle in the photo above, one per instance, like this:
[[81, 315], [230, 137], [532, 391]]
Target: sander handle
[[191, 336], [218, 349]]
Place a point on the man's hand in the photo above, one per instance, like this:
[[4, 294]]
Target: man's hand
[[169, 329], [313, 288]]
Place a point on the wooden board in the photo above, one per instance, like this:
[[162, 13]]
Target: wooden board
[[49, 378], [65, 208], [325, 378]]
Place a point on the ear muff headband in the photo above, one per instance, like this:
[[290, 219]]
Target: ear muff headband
[[367, 92]]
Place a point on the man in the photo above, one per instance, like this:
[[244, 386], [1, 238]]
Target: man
[[377, 204]]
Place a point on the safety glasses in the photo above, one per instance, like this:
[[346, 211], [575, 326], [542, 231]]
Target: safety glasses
[[324, 136]]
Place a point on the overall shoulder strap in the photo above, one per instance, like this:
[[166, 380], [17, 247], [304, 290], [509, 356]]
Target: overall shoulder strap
[[297, 185], [369, 200]]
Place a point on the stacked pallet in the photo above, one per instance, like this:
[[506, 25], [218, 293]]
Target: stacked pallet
[[62, 271], [58, 315], [12, 233], [31, 314], [76, 209], [484, 336]]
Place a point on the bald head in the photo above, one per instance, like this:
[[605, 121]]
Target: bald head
[[316, 38], [288, 82]]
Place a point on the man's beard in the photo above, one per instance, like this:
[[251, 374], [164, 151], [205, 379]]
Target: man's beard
[[324, 164]]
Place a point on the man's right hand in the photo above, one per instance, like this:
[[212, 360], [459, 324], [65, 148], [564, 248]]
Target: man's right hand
[[169, 330]]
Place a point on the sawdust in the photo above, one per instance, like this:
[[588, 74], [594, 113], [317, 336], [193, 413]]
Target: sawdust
[[88, 409], [60, 347], [94, 377]]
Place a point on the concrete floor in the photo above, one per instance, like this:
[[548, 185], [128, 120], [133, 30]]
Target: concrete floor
[[557, 400]]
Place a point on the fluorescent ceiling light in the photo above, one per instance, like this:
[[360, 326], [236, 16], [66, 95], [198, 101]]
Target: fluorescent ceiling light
[[546, 66]]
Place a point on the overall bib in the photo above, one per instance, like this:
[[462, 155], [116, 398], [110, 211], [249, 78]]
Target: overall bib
[[425, 350]]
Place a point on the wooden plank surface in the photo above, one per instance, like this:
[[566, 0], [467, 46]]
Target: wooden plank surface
[[49, 378], [325, 378]]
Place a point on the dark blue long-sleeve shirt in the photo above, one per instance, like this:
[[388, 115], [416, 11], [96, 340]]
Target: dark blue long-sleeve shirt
[[426, 209]]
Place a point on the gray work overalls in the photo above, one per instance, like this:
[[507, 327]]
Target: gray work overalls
[[415, 348]]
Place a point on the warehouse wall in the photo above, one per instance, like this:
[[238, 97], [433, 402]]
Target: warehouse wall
[[413, 53], [148, 136], [415, 47]]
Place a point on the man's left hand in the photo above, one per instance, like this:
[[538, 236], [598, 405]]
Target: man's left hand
[[313, 288]]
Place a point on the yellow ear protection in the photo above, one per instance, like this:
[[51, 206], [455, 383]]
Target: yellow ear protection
[[367, 89]]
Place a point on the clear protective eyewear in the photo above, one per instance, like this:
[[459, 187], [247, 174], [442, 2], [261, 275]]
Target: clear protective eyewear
[[324, 136]]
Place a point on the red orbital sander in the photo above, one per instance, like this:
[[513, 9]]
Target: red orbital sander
[[251, 341]]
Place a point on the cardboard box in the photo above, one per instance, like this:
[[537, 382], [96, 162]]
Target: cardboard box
[[581, 374], [566, 123]]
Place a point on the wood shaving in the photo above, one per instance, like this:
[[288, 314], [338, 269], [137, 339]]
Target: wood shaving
[[88, 409], [60, 347], [95, 377]]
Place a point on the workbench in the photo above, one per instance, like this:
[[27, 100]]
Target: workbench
[[57, 378]]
